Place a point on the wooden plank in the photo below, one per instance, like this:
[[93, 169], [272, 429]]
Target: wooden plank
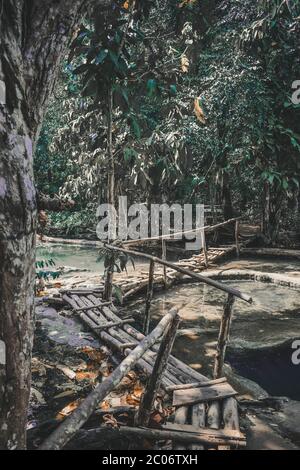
[[198, 421], [181, 416], [230, 417], [203, 394], [218, 433], [196, 384]]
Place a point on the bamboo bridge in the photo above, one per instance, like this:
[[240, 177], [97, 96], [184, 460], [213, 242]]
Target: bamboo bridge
[[206, 412]]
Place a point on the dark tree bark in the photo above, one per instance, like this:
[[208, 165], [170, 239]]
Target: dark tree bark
[[34, 37]]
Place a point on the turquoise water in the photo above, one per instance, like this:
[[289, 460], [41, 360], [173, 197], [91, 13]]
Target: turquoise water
[[72, 256]]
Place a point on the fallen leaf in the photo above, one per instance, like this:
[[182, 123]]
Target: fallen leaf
[[156, 418], [38, 367], [41, 293], [132, 400], [185, 3], [105, 405], [138, 390], [93, 354], [67, 393], [185, 63], [67, 410], [36, 396], [199, 111], [86, 375], [58, 285], [109, 420], [67, 371]]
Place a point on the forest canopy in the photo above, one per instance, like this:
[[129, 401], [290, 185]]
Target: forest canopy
[[202, 110]]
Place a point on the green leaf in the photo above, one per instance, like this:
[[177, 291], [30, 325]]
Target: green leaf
[[173, 90], [118, 294], [151, 87], [135, 127], [101, 56]]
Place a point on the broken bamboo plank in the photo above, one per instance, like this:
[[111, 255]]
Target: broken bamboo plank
[[103, 304], [196, 384], [73, 423], [203, 394], [190, 373], [113, 324], [155, 379], [147, 362], [223, 336]]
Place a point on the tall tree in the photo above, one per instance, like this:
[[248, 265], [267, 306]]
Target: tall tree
[[34, 36]]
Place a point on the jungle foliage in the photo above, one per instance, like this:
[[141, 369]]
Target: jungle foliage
[[202, 110]]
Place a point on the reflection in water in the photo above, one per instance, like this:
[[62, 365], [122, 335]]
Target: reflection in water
[[75, 256], [273, 317]]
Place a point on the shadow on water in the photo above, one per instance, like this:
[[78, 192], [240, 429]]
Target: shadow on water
[[272, 368]]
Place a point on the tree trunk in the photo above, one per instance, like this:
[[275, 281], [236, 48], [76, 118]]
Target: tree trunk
[[34, 38], [272, 210], [226, 197]]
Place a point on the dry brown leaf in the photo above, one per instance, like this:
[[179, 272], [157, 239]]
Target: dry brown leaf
[[84, 375], [138, 390], [109, 420], [41, 293], [67, 393], [67, 410], [199, 111], [67, 371], [93, 354], [156, 418], [185, 63], [105, 405], [38, 367], [132, 400], [58, 285], [185, 3]]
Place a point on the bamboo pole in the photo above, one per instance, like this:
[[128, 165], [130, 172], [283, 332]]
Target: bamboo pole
[[174, 236], [149, 298], [159, 368], [204, 246], [237, 233], [64, 433], [210, 437], [176, 267], [223, 336], [164, 257]]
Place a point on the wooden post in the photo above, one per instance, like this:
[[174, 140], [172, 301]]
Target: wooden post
[[237, 232], [155, 379], [223, 336], [108, 286], [204, 247], [149, 298], [164, 257]]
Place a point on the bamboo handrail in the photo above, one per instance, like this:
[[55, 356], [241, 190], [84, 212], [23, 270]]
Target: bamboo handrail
[[199, 277], [207, 229]]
